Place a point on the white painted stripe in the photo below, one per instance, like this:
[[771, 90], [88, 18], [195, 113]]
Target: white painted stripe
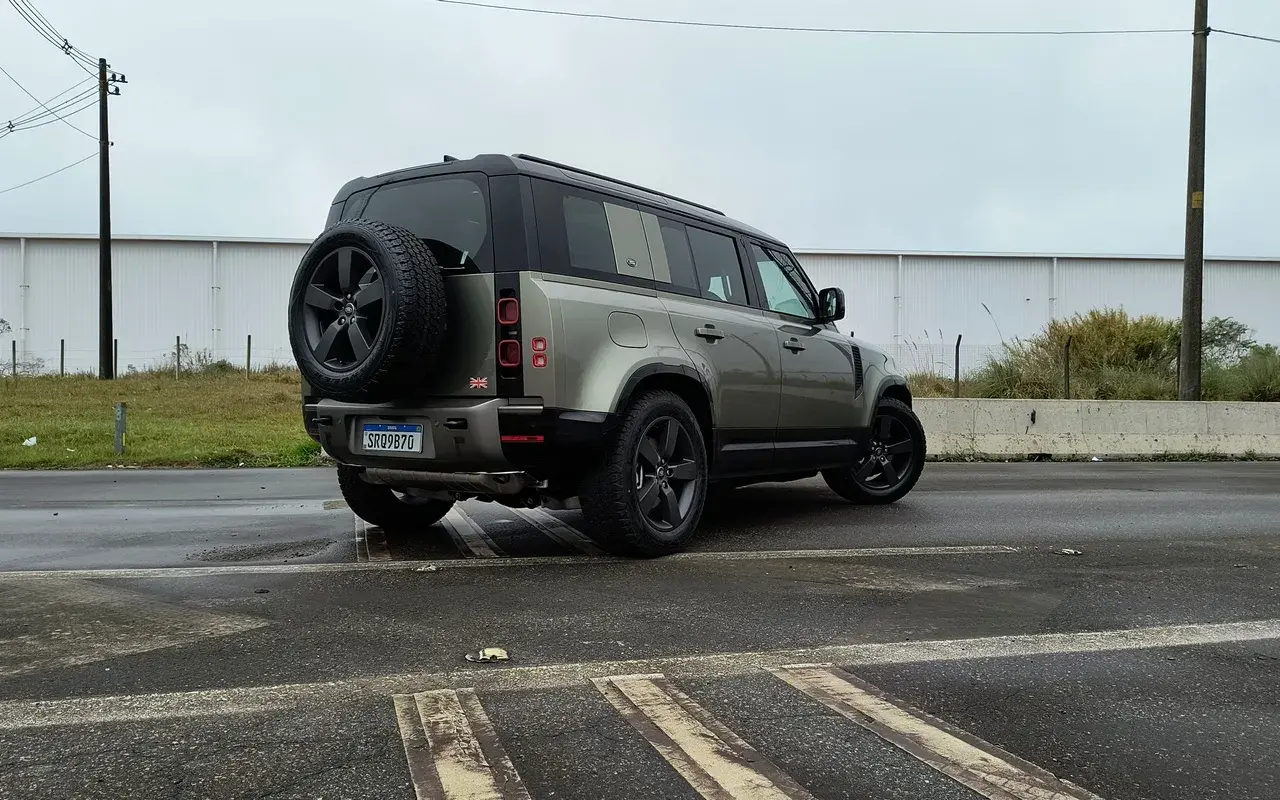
[[715, 761], [17, 714], [970, 761], [537, 561], [559, 531], [362, 551], [453, 751], [475, 541], [375, 544]]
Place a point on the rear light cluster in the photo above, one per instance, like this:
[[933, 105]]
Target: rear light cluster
[[509, 350]]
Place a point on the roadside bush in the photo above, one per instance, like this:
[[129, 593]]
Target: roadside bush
[[1115, 356]]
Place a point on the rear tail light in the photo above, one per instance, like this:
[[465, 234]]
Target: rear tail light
[[539, 345], [522, 439], [539, 360], [509, 353], [508, 311]]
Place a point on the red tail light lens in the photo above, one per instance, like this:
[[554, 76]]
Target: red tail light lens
[[508, 311], [539, 345], [509, 353], [539, 360], [522, 439]]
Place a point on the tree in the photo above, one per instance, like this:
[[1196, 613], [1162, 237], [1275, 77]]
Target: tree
[[5, 327]]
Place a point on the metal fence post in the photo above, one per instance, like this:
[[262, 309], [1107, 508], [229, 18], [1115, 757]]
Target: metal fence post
[[62, 358], [120, 426], [1066, 369], [248, 354], [13, 355], [958, 338], [177, 356], [115, 357]]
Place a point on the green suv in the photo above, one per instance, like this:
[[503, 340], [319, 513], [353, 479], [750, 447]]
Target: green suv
[[510, 329]]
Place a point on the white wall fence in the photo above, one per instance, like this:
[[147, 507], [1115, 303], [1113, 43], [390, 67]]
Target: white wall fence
[[215, 293]]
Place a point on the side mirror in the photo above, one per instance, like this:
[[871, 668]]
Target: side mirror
[[830, 304]]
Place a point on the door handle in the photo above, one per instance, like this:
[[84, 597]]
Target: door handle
[[709, 333], [793, 344]]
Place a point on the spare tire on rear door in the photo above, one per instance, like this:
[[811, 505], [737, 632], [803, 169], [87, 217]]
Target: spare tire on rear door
[[367, 312]]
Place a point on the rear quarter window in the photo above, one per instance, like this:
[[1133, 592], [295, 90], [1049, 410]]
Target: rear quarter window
[[449, 213]]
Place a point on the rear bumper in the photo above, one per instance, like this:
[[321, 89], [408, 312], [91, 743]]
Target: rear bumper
[[464, 436]]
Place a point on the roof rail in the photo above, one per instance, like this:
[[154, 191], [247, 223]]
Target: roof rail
[[568, 168]]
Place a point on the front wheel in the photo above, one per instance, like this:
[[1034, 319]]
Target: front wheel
[[892, 460], [393, 512], [646, 495]]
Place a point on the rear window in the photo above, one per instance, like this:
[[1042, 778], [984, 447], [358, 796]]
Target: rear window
[[449, 213]]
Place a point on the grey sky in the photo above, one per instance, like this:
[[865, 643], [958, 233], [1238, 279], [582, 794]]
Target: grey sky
[[242, 118]]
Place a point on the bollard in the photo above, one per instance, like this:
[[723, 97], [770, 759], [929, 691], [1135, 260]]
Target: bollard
[[958, 338], [120, 426], [248, 354]]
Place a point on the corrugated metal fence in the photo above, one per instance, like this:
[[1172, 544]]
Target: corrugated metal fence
[[215, 293]]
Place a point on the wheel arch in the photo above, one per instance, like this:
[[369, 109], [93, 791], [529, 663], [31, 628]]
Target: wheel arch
[[894, 387], [685, 382]]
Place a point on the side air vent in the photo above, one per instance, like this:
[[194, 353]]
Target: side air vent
[[857, 368]]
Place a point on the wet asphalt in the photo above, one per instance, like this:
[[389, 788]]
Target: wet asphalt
[[250, 653]]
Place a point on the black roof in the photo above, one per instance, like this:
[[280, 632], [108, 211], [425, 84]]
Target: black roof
[[522, 164]]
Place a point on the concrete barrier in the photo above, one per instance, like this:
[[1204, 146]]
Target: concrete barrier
[[1075, 428]]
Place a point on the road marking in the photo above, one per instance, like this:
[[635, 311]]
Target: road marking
[[468, 536], [371, 543], [559, 531], [453, 750], [468, 563], [961, 756], [715, 761], [18, 714]]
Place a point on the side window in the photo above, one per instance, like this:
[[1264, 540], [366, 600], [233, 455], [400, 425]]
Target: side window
[[781, 291], [718, 267], [672, 258], [582, 233]]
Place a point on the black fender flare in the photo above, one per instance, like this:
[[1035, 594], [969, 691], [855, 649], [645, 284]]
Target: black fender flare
[[649, 370], [891, 381]]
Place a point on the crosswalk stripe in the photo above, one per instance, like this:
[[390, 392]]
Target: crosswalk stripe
[[452, 749], [714, 760], [961, 756], [558, 531], [469, 537]]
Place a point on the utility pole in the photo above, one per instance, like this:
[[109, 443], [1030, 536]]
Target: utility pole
[[1193, 254], [106, 370], [106, 336]]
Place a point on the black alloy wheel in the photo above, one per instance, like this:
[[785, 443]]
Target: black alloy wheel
[[890, 456], [665, 469], [343, 308]]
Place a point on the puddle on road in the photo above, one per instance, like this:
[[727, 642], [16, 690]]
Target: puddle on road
[[274, 551]]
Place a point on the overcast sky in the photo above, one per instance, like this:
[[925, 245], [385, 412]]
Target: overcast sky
[[242, 118]]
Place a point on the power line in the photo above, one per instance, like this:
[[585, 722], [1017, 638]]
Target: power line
[[1247, 36], [40, 123], [50, 175], [37, 99], [801, 29], [50, 34], [45, 104]]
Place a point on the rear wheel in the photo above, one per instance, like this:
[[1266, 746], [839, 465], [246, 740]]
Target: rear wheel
[[395, 513], [891, 463], [647, 494]]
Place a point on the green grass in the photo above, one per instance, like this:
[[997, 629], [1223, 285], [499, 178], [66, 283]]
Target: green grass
[[200, 420]]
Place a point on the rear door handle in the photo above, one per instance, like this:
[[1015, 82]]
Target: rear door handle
[[793, 344], [709, 333]]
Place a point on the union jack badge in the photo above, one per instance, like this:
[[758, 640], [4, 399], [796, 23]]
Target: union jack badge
[[479, 383]]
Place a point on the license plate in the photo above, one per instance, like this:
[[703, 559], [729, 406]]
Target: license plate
[[388, 438]]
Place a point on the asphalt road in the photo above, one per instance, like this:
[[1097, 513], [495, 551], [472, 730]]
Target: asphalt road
[[239, 634]]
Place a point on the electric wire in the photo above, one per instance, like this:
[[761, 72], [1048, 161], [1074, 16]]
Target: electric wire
[[49, 175], [37, 99]]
